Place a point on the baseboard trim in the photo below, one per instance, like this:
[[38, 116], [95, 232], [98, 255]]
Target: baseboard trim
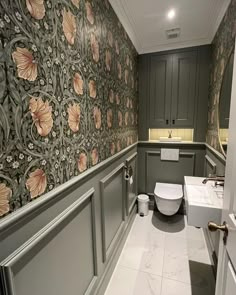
[[211, 251]]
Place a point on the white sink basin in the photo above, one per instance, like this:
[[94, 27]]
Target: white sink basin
[[204, 202], [172, 139]]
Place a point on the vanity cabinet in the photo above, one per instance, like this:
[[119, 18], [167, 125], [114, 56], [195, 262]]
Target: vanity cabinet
[[172, 90]]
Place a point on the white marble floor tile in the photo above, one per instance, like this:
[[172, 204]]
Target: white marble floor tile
[[197, 251], [145, 255], [189, 265], [131, 256], [152, 261], [193, 233], [131, 282], [171, 287], [176, 246], [176, 267], [163, 248]]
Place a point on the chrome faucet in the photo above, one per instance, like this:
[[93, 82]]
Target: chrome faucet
[[215, 178]]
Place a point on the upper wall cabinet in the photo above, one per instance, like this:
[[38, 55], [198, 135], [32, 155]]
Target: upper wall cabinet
[[183, 89], [172, 90], [160, 90]]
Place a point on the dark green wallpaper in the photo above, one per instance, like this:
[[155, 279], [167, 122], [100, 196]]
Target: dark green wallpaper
[[68, 93], [222, 47]]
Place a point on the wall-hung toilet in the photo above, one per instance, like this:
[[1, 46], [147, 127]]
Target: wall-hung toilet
[[168, 197]]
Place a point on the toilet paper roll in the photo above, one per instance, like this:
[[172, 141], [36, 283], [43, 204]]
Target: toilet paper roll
[[131, 180]]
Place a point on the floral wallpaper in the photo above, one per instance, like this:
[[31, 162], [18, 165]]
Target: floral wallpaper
[[68, 93], [222, 47]]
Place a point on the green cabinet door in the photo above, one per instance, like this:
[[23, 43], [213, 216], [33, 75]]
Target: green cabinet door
[[183, 89], [160, 91]]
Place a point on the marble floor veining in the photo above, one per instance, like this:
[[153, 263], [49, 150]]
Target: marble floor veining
[[163, 256]]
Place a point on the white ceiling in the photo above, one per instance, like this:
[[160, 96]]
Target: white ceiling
[[146, 22]]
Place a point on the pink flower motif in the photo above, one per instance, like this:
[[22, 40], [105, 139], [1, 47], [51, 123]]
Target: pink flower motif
[[97, 117], [118, 146], [108, 60], [94, 47], [76, 3], [216, 98], [117, 99], [127, 141], [109, 118], [110, 38], [92, 89], [74, 117], [126, 118], [78, 84], [5, 195], [126, 76], [127, 102], [111, 96], [120, 118], [41, 113], [26, 65], [36, 8], [117, 47], [132, 118], [89, 11], [36, 183], [69, 26], [130, 103], [119, 70], [132, 82], [94, 156], [212, 116], [113, 148], [127, 60], [82, 162], [222, 67]]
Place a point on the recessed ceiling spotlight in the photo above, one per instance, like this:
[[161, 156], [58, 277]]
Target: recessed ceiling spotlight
[[171, 14]]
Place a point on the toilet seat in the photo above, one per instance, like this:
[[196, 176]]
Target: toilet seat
[[168, 191]]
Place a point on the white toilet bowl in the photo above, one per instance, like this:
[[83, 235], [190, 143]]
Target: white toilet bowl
[[168, 197]]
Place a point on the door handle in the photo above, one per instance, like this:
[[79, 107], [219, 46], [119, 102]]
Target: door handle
[[212, 226], [167, 121], [173, 122]]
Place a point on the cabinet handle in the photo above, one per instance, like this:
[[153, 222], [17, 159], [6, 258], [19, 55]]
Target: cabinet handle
[[167, 122], [173, 122]]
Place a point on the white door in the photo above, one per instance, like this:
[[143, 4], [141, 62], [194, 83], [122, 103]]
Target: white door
[[226, 273]]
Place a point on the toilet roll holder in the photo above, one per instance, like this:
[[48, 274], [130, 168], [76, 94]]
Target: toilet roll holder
[[128, 172]]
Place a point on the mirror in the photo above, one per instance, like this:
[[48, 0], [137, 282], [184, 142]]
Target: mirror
[[224, 103]]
